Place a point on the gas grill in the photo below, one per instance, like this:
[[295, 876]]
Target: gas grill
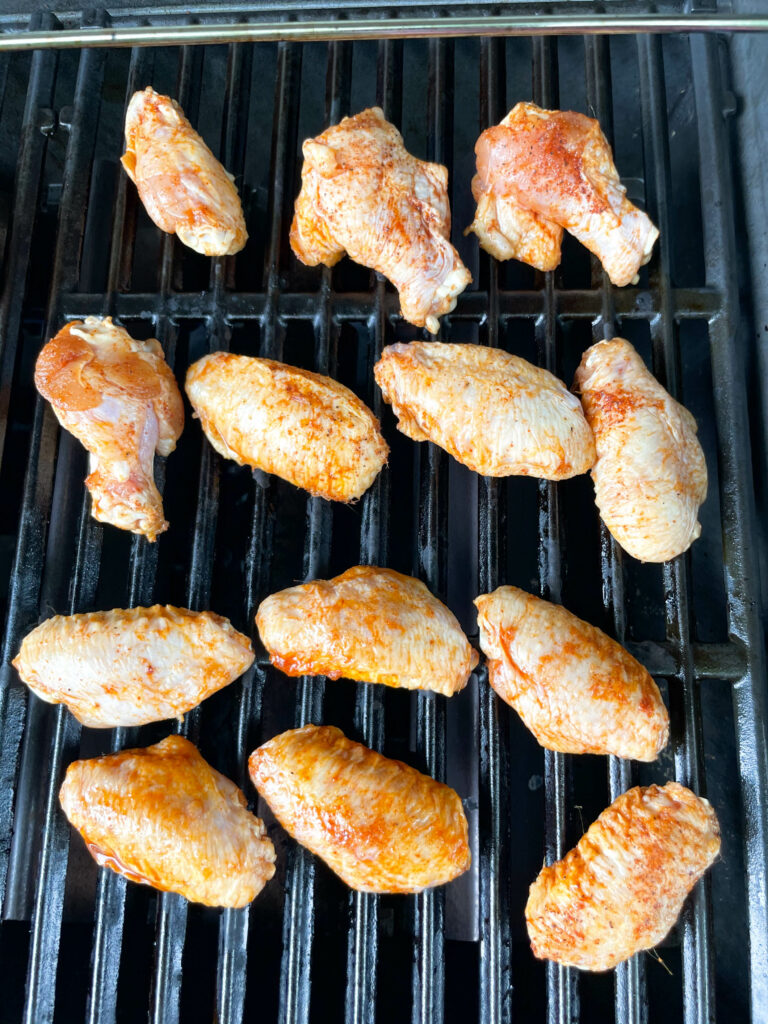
[[77, 943]]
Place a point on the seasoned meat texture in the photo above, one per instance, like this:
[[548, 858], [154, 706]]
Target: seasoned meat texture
[[558, 166], [370, 624], [380, 825], [307, 429], [121, 401], [622, 888], [492, 411], [363, 193], [182, 185], [650, 476], [162, 816], [577, 690], [132, 667]]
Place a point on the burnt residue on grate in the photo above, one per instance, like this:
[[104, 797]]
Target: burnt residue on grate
[[80, 944]]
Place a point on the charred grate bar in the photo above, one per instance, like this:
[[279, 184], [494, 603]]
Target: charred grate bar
[[77, 943]]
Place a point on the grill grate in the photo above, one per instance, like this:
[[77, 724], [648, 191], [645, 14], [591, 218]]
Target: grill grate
[[82, 944]]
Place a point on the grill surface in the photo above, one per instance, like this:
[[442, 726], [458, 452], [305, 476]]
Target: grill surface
[[79, 944]]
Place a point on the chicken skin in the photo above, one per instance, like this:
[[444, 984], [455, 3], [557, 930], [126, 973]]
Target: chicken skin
[[118, 397], [369, 624], [162, 816], [577, 690], [379, 824], [307, 429], [494, 412], [622, 888], [182, 185], [650, 476], [362, 193], [132, 667], [558, 166]]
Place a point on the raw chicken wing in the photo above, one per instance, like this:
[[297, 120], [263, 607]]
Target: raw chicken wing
[[307, 429], [650, 476], [380, 825], [132, 667], [162, 816], [363, 193], [370, 624], [121, 401], [182, 185], [558, 166], [622, 888], [492, 411], [577, 690]]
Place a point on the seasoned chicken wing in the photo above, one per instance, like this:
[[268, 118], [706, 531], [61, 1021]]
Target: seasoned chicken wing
[[622, 888], [492, 411], [162, 816], [182, 185], [132, 667], [369, 624], [558, 166], [577, 690], [380, 825], [363, 193], [307, 429], [121, 401], [650, 476]]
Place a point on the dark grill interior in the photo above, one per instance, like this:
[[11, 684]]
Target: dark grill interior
[[80, 944]]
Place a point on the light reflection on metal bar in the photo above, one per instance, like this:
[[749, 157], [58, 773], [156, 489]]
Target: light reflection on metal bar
[[382, 28]]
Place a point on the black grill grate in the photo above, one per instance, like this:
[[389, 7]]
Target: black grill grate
[[81, 944]]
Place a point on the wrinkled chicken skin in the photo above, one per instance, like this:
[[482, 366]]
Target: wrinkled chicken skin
[[577, 690], [379, 824], [308, 429], [369, 624], [163, 816], [182, 185], [494, 412], [650, 476], [362, 193], [134, 666], [557, 166], [623, 887], [118, 397]]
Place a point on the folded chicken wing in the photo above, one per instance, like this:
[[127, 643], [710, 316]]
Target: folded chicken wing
[[362, 193], [162, 816], [650, 476], [121, 401], [369, 624], [380, 825], [622, 888], [182, 185], [492, 411], [134, 666], [305, 428], [577, 690], [558, 166]]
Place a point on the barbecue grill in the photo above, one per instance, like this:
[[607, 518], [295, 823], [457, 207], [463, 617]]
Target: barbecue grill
[[77, 943]]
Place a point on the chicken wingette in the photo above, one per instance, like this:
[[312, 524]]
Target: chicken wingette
[[130, 667], [182, 185], [557, 167], [578, 691], [369, 624], [362, 193], [650, 476], [622, 887], [118, 397], [163, 816], [494, 412], [379, 824], [308, 429]]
